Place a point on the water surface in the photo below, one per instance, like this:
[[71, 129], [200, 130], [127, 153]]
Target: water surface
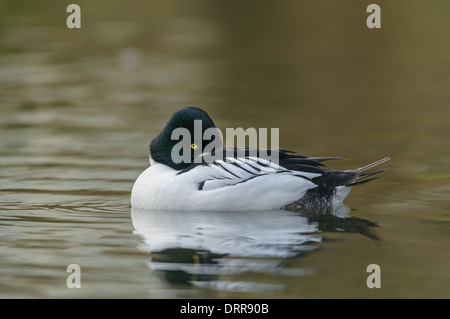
[[78, 109]]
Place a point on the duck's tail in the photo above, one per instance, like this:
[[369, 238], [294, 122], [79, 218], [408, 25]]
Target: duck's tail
[[333, 186], [361, 175]]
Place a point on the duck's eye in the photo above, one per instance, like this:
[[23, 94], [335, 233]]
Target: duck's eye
[[194, 146]]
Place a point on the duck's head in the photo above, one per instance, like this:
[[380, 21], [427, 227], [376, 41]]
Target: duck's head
[[183, 132]]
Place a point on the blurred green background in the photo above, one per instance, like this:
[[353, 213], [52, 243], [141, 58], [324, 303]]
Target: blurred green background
[[249, 61]]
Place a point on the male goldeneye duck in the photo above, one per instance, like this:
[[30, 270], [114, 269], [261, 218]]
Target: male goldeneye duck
[[238, 180]]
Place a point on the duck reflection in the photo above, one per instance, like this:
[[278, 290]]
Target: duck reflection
[[197, 249]]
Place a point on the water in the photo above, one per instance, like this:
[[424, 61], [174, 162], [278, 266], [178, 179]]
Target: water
[[79, 107]]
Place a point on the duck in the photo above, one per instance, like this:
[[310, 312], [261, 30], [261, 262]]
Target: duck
[[225, 178]]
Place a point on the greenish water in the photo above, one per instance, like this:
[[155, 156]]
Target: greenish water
[[78, 109]]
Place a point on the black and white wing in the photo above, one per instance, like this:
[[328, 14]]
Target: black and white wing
[[242, 165], [235, 169]]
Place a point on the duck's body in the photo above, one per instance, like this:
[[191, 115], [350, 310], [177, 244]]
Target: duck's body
[[183, 192], [234, 183]]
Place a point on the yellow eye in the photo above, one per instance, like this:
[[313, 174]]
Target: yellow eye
[[194, 146]]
